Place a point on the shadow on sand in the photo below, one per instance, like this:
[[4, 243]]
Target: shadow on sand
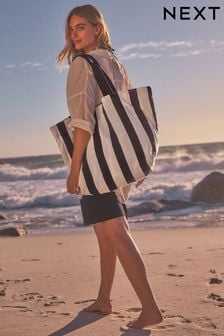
[[136, 332], [84, 318]]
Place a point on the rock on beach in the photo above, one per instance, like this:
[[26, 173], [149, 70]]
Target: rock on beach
[[210, 189]]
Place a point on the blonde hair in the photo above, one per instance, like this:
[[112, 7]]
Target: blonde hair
[[93, 15]]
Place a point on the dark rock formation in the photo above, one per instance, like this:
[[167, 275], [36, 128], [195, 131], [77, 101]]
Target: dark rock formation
[[210, 189], [158, 206], [175, 204], [13, 231], [144, 207]]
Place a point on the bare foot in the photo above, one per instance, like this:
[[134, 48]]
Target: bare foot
[[144, 320], [99, 306]]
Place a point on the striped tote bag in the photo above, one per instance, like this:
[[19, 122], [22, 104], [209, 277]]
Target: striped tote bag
[[124, 146]]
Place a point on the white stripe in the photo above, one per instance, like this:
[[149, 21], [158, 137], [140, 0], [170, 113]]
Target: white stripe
[[95, 168], [145, 105], [108, 149], [67, 122], [82, 184], [123, 137], [139, 129]]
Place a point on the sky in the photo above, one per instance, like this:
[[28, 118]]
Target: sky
[[182, 61]]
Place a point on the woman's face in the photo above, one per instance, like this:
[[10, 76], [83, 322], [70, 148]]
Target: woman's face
[[83, 34]]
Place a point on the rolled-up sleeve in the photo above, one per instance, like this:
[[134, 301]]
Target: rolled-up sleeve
[[81, 95]]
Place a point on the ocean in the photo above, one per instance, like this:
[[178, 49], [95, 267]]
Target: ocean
[[33, 191]]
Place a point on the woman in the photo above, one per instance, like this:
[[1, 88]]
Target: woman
[[86, 32]]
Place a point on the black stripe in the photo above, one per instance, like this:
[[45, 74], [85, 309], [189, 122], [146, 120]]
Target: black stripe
[[141, 116], [101, 75], [88, 176], [152, 105], [85, 168], [102, 160], [131, 133], [105, 84], [119, 152], [64, 134]]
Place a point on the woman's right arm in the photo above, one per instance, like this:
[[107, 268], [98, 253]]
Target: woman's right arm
[[80, 142], [81, 94]]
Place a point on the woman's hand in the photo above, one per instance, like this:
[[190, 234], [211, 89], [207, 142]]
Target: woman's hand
[[137, 184], [72, 184]]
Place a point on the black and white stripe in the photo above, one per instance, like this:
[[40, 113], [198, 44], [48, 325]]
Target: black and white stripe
[[124, 145]]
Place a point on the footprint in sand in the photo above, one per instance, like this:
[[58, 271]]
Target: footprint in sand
[[3, 288], [135, 309], [84, 301], [22, 308], [50, 312], [172, 266], [175, 275], [219, 299], [25, 310], [18, 280], [64, 314], [170, 321], [37, 303], [51, 300], [33, 296], [221, 305], [215, 297], [36, 297], [34, 259], [152, 253], [204, 323], [215, 249], [117, 315], [53, 303], [201, 322], [2, 292], [215, 281], [177, 318]]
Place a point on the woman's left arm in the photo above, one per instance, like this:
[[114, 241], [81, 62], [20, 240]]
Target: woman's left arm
[[80, 142]]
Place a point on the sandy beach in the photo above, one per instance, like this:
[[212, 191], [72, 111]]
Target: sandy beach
[[46, 281]]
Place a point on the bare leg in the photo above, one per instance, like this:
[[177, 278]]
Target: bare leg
[[134, 267], [107, 265]]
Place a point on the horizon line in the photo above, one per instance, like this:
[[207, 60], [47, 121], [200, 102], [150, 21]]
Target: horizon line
[[162, 146]]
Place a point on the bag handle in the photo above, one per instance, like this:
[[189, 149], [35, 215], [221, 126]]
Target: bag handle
[[102, 79]]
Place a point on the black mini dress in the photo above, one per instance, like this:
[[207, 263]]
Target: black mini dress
[[102, 207]]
